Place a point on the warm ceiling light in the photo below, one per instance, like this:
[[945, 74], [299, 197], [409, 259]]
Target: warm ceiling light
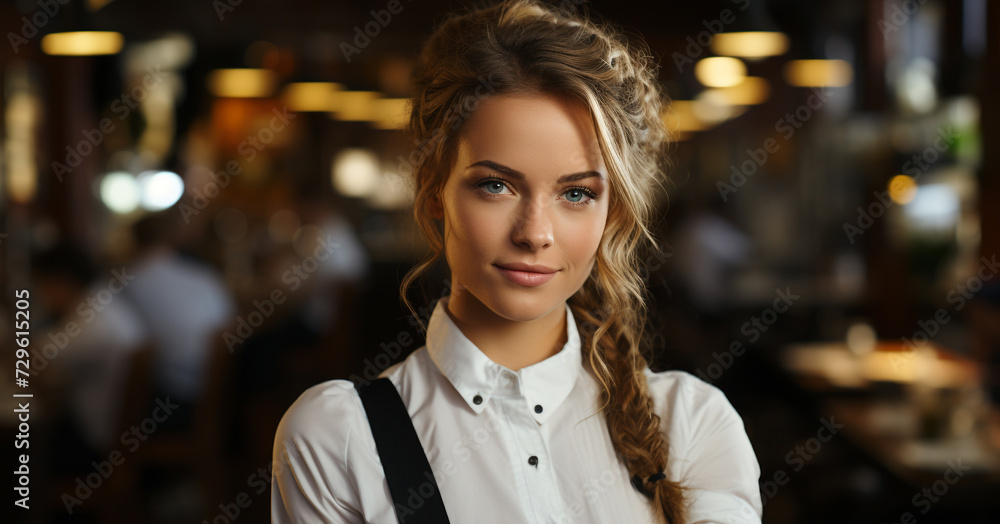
[[242, 83], [712, 108], [310, 96], [94, 5], [750, 44], [819, 73], [354, 105], [390, 113], [83, 43], [751, 91], [679, 117], [720, 71]]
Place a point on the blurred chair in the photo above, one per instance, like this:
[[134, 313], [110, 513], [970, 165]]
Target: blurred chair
[[198, 451], [117, 498]]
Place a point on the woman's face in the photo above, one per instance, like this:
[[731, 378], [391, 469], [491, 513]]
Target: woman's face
[[528, 186]]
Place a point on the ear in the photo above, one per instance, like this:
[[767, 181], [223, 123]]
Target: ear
[[434, 207]]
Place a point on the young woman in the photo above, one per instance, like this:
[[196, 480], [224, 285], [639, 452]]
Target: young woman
[[540, 145]]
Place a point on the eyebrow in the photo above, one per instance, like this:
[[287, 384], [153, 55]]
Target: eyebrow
[[513, 173]]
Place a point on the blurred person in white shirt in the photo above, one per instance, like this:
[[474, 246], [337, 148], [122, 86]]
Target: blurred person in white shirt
[[184, 303], [86, 349]]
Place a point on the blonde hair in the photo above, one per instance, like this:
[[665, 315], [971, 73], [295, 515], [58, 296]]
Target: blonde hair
[[523, 46]]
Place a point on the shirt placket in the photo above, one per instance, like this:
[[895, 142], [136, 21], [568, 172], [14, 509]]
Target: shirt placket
[[531, 458]]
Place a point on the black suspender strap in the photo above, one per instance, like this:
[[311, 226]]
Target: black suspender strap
[[403, 460]]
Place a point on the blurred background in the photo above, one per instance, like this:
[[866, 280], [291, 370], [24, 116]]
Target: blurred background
[[207, 204]]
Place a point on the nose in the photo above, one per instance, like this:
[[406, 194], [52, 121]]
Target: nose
[[532, 226]]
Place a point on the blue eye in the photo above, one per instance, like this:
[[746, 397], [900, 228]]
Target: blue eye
[[490, 185], [575, 196]]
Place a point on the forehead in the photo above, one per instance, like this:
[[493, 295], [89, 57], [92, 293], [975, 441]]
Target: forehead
[[531, 132]]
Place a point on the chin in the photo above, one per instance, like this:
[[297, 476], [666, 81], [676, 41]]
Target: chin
[[522, 306]]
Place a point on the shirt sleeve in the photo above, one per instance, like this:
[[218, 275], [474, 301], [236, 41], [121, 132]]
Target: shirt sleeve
[[712, 455], [310, 479]]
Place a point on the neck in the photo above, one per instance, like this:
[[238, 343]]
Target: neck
[[510, 343]]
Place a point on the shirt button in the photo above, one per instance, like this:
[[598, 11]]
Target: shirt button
[[533, 460], [538, 408], [477, 400]]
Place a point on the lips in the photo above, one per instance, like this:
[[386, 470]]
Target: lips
[[528, 275]]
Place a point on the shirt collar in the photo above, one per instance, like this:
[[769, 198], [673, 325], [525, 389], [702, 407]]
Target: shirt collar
[[544, 385]]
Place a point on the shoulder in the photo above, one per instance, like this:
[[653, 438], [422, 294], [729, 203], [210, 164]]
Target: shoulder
[[688, 400], [678, 381], [331, 412], [322, 456], [331, 398], [322, 420]]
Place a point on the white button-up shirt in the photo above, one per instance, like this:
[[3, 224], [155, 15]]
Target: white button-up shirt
[[526, 446]]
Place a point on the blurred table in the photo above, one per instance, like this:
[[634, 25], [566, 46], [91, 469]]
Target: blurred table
[[832, 365], [916, 412]]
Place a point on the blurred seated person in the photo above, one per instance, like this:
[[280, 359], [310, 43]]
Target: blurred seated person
[[92, 333], [306, 339], [710, 249], [184, 303], [344, 261]]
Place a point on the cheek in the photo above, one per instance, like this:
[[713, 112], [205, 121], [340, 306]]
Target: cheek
[[582, 237], [474, 227]]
